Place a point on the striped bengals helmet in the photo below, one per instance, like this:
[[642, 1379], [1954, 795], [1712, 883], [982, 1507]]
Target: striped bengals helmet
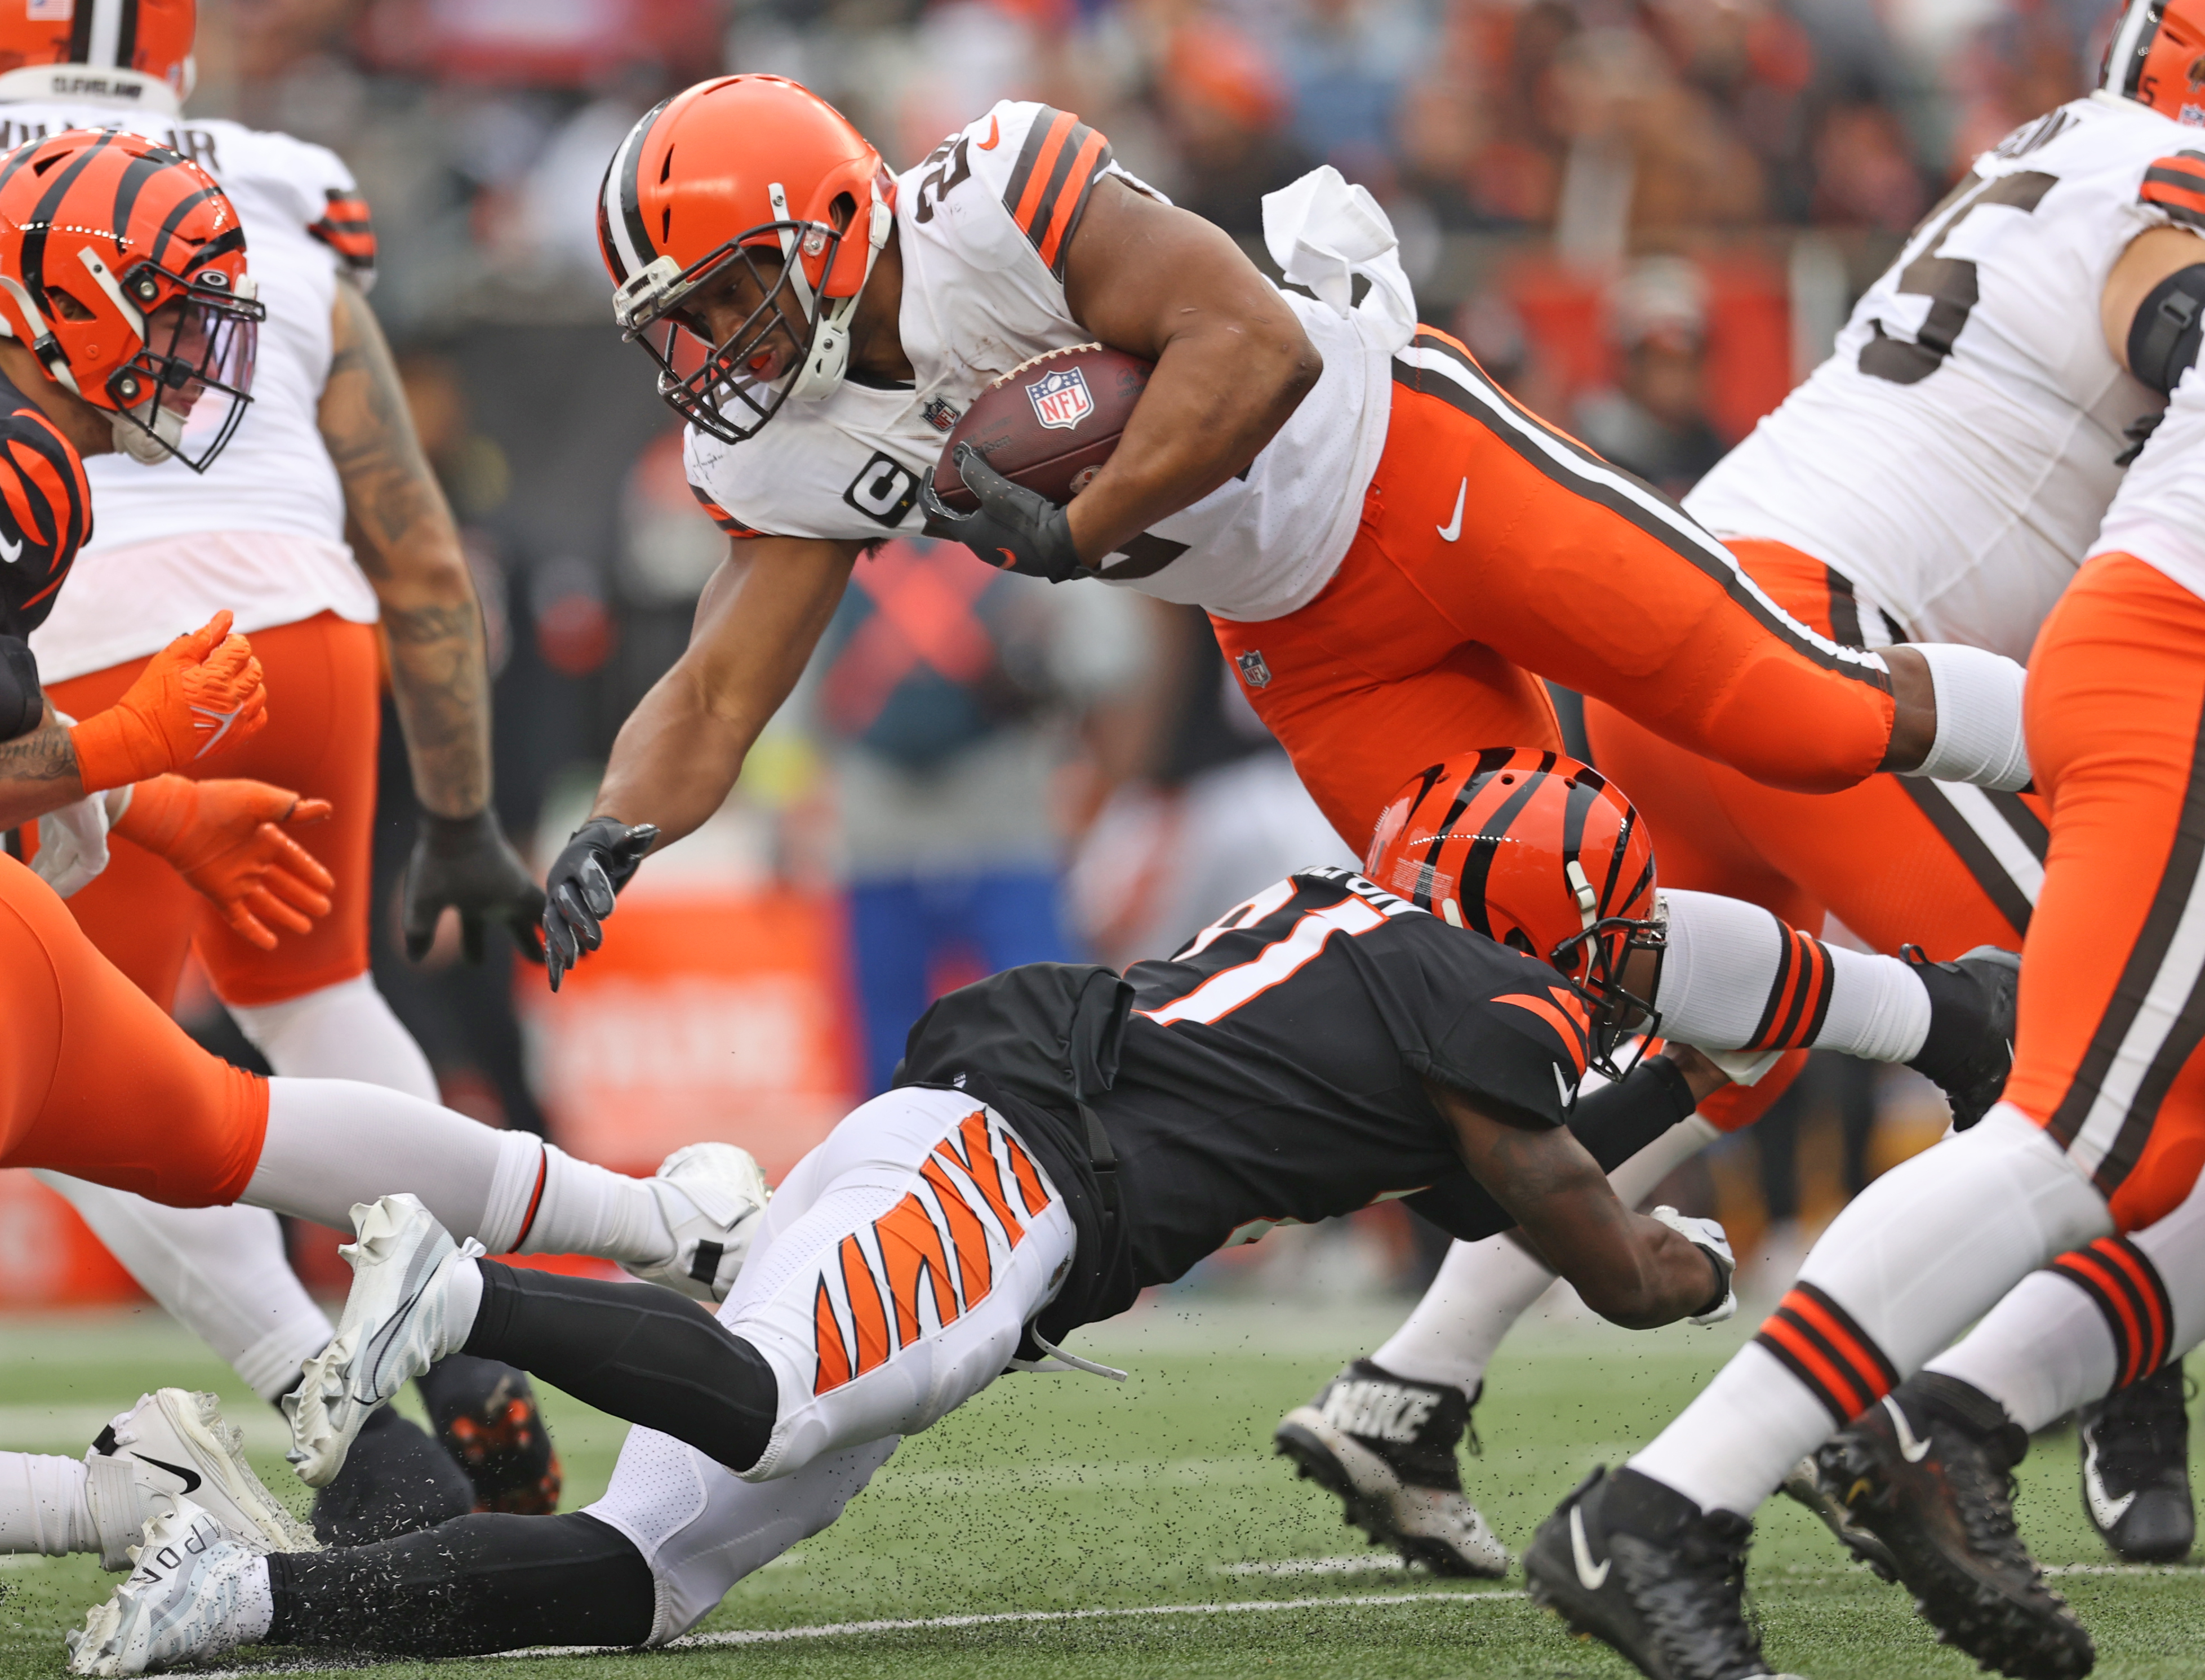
[[758, 171], [2157, 58], [1535, 850], [122, 268], [136, 54]]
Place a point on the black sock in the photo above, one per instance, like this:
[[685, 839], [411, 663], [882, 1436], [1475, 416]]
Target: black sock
[[636, 1350], [482, 1582]]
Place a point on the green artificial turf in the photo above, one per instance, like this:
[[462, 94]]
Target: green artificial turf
[[1134, 1504]]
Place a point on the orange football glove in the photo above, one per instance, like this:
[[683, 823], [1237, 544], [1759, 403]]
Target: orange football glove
[[201, 692], [222, 837]]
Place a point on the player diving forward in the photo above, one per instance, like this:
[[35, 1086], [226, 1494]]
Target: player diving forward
[[326, 454], [2101, 1131], [1974, 387], [1388, 546], [1047, 1156]]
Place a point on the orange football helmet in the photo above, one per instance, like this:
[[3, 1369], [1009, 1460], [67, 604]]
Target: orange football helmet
[[1539, 852], [122, 268], [2157, 58], [758, 171], [145, 45]]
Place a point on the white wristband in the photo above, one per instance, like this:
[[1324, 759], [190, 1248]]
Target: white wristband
[[1979, 725]]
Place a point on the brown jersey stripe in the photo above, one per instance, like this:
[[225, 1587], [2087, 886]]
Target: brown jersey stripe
[[1069, 202], [1036, 161]]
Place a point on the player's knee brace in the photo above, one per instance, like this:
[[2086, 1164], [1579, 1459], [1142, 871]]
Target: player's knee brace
[[478, 1583], [636, 1350]]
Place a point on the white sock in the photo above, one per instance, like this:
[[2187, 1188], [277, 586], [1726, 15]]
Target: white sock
[[46, 1504], [332, 1142], [221, 1272], [1735, 977], [344, 1031], [1484, 1288], [1980, 737], [2042, 1351], [1922, 1252]]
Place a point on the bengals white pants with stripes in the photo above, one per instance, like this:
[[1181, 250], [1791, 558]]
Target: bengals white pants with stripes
[[898, 1266]]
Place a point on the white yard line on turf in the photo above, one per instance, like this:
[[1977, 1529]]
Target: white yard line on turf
[[1370, 1562]]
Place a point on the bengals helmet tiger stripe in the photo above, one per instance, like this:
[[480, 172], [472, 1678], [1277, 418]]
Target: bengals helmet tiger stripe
[[122, 270], [1540, 852], [758, 171], [2157, 57], [135, 54]]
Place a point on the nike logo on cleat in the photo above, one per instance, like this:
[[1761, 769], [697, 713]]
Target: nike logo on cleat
[[2105, 1510], [190, 1478], [1453, 528], [1592, 1577], [1912, 1450], [11, 552]]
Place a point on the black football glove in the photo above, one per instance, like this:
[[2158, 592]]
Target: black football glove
[[1016, 529], [597, 862], [465, 863]]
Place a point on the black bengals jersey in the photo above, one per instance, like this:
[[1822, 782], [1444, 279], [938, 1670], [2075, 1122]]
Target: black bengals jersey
[[45, 511]]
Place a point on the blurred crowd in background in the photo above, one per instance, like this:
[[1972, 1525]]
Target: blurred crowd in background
[[1648, 217]]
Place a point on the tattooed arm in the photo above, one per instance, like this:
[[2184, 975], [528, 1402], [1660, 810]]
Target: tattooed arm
[[1631, 1270], [37, 773], [404, 536]]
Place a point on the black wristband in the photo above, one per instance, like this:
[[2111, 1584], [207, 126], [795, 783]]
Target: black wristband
[[1723, 1282]]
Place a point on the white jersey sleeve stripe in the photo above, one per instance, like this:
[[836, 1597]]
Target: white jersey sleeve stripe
[[1570, 463]]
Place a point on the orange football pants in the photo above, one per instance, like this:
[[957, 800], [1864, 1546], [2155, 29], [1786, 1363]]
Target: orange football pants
[[323, 718], [2112, 977], [98, 1082], [1492, 547], [1899, 860]]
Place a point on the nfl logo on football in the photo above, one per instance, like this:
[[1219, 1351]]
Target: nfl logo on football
[[1060, 398]]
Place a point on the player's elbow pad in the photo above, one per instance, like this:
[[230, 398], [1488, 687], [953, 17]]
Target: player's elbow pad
[[22, 702], [2169, 323]]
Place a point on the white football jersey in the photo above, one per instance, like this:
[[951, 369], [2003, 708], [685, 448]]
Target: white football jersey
[[1954, 457], [2159, 515], [983, 224], [262, 531]]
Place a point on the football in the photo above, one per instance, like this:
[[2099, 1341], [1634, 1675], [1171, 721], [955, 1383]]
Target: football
[[1049, 423]]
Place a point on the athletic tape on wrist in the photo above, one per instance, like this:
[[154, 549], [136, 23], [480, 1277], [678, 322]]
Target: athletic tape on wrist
[[1979, 723]]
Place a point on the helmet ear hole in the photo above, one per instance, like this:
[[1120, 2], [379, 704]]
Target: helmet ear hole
[[842, 211], [1517, 939]]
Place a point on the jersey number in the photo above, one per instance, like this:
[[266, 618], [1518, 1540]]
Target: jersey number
[[1949, 283], [951, 164]]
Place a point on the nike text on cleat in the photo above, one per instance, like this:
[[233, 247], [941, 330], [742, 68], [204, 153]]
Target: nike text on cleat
[[2135, 1468], [711, 1196], [1930, 1474], [1641, 1568], [1386, 1446], [174, 1445], [396, 1324], [181, 1602], [1969, 1049]]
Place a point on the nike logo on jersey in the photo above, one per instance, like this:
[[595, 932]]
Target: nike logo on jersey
[[190, 1478], [1453, 528], [2105, 1509], [995, 134], [1912, 1450], [1568, 1092], [1590, 1576], [11, 552]]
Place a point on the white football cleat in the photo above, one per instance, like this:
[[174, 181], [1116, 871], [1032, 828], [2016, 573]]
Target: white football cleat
[[174, 1445], [183, 1600], [711, 1196], [396, 1324]]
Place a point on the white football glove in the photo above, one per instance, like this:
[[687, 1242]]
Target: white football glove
[[73, 844], [1708, 1238]]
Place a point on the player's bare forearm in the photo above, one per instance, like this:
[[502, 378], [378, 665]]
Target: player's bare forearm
[[403, 534], [1632, 1271], [678, 753], [1233, 362], [37, 773]]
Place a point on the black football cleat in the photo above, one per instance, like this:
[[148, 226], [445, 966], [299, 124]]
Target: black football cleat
[[1970, 1048], [1930, 1471], [395, 1478], [1386, 1446], [1804, 1484], [1641, 1568], [486, 1416], [2135, 1468]]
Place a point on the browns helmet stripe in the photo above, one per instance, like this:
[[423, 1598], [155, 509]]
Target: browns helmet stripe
[[103, 33], [2130, 44], [621, 229], [1436, 366]]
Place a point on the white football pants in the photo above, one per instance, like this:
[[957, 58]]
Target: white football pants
[[897, 1268]]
